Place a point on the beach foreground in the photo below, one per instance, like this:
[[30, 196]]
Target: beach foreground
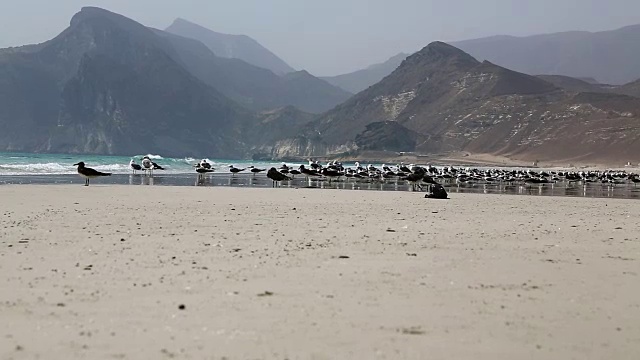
[[123, 272]]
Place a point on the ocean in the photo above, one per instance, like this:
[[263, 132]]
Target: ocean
[[62, 164]]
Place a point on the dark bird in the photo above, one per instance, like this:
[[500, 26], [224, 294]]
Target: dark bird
[[403, 168], [331, 174], [294, 172], [204, 164], [314, 165], [255, 170], [235, 170], [276, 176], [156, 166], [88, 173], [437, 191], [134, 167], [308, 172], [201, 170], [413, 179]]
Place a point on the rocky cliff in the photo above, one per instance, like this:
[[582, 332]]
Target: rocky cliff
[[441, 99]]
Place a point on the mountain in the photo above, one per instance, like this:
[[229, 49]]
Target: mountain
[[631, 89], [442, 100], [255, 87], [575, 84], [359, 80], [109, 85], [231, 46], [607, 56]]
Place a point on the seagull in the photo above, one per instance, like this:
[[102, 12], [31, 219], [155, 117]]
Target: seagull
[[331, 174], [204, 164], [202, 170], [255, 170], [147, 164], [308, 172], [276, 176], [88, 173], [413, 179], [134, 167], [156, 166], [235, 170]]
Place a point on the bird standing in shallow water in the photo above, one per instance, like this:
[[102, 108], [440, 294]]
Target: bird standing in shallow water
[[134, 167], [254, 170], [276, 176], [147, 164], [88, 173], [234, 170]]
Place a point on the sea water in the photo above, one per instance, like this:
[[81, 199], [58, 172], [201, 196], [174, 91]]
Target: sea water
[[62, 164]]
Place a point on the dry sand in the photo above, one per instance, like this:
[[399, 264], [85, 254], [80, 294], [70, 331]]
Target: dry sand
[[100, 273]]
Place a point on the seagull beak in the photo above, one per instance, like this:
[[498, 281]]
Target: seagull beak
[[76, 164]]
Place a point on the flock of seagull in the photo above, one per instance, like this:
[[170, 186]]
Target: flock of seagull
[[147, 165], [417, 176]]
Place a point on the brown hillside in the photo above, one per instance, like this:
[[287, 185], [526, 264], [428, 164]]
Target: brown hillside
[[450, 102]]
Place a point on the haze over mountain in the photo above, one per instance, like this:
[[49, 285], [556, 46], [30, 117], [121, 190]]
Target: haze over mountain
[[231, 46], [441, 99], [333, 37], [254, 87], [359, 80], [608, 56], [112, 86], [605, 57]]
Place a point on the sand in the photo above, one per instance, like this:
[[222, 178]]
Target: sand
[[102, 272]]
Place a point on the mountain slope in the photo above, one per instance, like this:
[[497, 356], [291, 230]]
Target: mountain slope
[[359, 80], [109, 85], [442, 100], [231, 46], [631, 89], [607, 56], [255, 87]]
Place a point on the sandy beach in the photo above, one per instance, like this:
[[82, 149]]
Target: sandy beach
[[128, 272]]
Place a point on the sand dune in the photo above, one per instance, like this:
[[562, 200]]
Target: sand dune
[[123, 272]]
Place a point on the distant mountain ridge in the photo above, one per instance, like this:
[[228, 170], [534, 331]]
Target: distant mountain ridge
[[251, 86], [359, 80], [231, 46], [109, 85], [442, 100], [608, 56]]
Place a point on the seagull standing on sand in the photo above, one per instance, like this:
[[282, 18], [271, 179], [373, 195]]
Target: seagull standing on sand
[[134, 167], [88, 173]]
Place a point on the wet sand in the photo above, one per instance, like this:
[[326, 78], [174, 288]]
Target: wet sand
[[244, 180], [131, 272]]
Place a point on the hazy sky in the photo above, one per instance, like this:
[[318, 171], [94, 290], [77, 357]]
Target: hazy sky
[[328, 37]]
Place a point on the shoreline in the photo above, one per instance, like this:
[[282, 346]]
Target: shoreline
[[246, 181], [102, 272]]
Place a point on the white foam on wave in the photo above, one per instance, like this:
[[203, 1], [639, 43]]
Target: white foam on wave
[[154, 157], [37, 168]]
